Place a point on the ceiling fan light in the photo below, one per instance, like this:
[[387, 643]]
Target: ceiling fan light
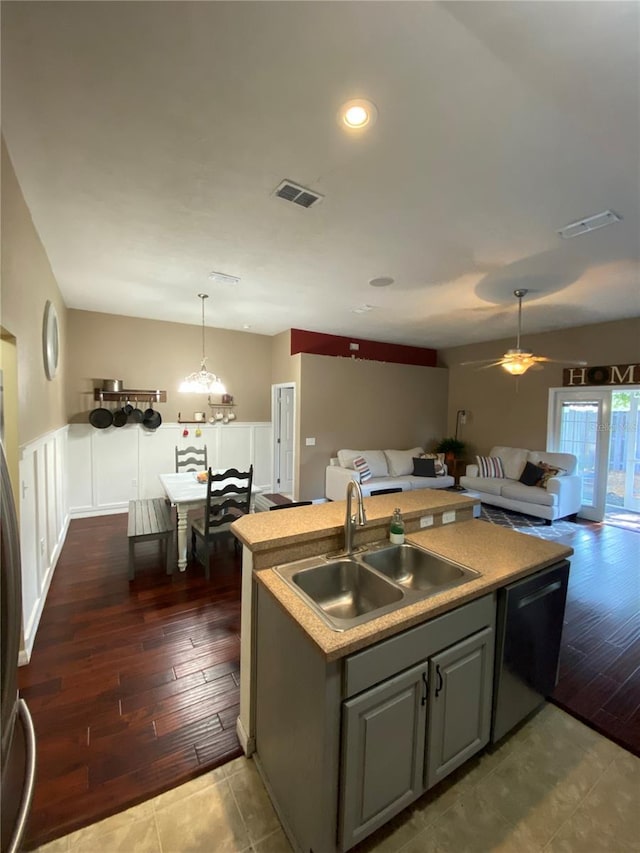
[[516, 368], [517, 361]]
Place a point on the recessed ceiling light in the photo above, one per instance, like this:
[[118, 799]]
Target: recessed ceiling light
[[382, 281], [362, 309], [358, 114], [223, 278]]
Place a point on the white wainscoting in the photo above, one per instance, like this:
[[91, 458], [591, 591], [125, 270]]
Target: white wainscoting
[[44, 519], [108, 468]]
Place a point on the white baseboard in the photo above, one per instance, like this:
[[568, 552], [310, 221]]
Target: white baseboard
[[30, 634], [90, 513], [247, 743]]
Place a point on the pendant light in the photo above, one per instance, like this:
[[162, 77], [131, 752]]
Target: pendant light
[[202, 381]]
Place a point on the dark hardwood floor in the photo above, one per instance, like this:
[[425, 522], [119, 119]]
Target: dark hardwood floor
[[133, 687], [600, 661]]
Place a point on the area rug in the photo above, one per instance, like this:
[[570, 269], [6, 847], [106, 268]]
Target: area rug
[[528, 523]]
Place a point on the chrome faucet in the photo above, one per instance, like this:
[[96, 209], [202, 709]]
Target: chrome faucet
[[359, 517]]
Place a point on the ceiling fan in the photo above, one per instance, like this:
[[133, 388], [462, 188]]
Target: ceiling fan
[[517, 361]]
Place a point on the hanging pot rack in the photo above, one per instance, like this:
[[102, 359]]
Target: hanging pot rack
[[142, 396]]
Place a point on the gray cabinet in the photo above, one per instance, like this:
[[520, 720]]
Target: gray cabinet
[[407, 733], [460, 682], [383, 735], [346, 744]]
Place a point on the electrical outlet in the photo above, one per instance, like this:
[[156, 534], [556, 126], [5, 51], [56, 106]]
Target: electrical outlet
[[426, 521], [448, 517], [310, 442], [134, 483]]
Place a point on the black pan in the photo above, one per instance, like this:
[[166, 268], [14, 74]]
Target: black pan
[[120, 418], [101, 418], [136, 415], [152, 419], [127, 408]]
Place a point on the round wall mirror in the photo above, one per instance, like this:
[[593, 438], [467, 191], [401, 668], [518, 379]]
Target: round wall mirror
[[50, 342]]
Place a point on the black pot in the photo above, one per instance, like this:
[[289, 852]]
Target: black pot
[[120, 418], [152, 419], [101, 418], [127, 408]]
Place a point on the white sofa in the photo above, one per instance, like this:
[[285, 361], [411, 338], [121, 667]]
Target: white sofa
[[390, 469], [561, 497]]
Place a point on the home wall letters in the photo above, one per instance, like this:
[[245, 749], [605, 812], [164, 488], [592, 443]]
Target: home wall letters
[[612, 374]]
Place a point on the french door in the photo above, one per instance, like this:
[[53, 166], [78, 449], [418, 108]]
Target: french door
[[601, 428], [579, 423], [624, 456]]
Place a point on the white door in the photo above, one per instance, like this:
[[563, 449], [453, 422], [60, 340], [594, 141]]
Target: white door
[[623, 487], [580, 424], [284, 404]]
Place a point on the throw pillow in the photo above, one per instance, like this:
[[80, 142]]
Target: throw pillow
[[360, 465], [531, 474], [401, 461], [489, 466], [438, 462], [549, 471], [424, 467], [376, 460]]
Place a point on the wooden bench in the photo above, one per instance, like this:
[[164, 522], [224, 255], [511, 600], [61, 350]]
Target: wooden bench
[[151, 519]]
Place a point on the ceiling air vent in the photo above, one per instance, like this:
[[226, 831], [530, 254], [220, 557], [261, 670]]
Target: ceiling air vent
[[591, 223], [297, 194]]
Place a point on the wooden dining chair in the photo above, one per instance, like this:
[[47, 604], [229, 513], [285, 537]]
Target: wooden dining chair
[[225, 504], [191, 459]]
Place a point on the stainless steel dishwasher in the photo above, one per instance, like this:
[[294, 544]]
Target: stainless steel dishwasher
[[528, 635]]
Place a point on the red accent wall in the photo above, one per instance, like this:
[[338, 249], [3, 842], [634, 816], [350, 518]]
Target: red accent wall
[[318, 343]]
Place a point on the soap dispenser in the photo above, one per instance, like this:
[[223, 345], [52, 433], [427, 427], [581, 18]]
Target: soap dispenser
[[396, 530]]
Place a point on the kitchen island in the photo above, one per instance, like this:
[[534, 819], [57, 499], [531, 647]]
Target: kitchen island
[[349, 727]]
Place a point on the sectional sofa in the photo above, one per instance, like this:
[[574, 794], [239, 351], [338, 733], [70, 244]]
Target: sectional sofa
[[390, 469]]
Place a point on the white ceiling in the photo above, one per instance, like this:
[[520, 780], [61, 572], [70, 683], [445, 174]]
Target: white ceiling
[[148, 138]]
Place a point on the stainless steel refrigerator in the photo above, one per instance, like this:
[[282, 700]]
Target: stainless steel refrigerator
[[17, 736]]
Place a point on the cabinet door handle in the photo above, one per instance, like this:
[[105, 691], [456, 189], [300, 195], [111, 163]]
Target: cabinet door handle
[[440, 680], [425, 693]]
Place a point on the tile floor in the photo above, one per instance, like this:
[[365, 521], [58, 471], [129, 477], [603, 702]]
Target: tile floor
[[555, 785]]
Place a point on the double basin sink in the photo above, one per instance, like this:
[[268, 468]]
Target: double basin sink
[[347, 591]]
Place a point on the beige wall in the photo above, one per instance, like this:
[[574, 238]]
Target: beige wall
[[9, 368], [149, 354], [284, 366], [514, 413], [364, 405], [27, 283]]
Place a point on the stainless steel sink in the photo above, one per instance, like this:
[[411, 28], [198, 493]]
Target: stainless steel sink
[[348, 591], [344, 592], [417, 569]]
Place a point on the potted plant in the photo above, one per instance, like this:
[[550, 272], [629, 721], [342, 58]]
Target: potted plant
[[451, 447]]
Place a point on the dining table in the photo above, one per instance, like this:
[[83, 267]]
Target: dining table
[[186, 493]]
